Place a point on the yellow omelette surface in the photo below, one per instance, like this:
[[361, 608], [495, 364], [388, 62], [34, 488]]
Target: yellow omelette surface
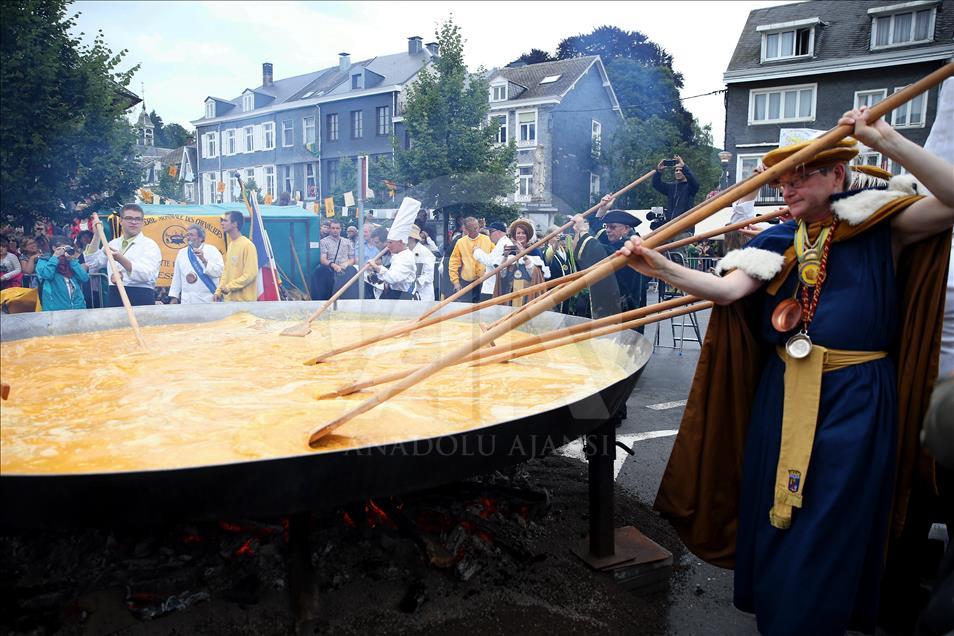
[[234, 390]]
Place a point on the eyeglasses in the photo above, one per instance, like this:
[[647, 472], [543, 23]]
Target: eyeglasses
[[797, 180], [133, 219]]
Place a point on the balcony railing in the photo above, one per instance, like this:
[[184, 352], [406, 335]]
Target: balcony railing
[[769, 196]]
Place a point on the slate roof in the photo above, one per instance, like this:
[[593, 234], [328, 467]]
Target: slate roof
[[844, 31], [529, 76], [395, 69]]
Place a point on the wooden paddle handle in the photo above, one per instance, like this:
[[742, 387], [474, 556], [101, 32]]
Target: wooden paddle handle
[[513, 259], [722, 230], [119, 280], [344, 288]]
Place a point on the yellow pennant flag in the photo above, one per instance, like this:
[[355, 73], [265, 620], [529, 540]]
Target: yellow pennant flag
[[173, 171], [268, 199], [315, 208], [329, 206]]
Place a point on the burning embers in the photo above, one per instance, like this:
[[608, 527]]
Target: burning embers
[[477, 530]]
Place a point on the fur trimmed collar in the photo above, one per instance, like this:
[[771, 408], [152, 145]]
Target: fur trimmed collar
[[855, 206], [756, 262]]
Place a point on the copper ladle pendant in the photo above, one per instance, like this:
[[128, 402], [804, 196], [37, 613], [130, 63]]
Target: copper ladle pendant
[[787, 315]]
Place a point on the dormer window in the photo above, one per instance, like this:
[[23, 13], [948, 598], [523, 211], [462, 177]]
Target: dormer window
[[248, 102], [209, 109], [356, 81], [902, 24], [498, 93], [788, 40]]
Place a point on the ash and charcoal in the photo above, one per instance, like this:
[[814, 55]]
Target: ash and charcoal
[[491, 552]]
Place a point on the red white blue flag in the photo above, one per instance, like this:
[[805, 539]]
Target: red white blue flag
[[267, 271]]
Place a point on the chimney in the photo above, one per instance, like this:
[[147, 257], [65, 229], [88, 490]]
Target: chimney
[[344, 61], [414, 44], [432, 48], [267, 77]]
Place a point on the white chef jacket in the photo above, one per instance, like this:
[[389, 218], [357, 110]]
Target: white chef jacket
[[425, 281], [144, 255], [196, 292], [401, 273]]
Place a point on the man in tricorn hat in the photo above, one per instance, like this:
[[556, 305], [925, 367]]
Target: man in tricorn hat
[[823, 348], [629, 290]]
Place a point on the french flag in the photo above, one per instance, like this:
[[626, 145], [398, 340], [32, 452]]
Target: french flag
[[267, 271]]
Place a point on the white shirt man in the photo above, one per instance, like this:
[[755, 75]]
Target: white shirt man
[[188, 286], [401, 274], [424, 260], [138, 257], [493, 259]]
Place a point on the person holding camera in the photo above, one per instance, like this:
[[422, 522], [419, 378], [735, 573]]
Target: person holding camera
[[680, 193], [557, 258], [62, 277], [197, 270]]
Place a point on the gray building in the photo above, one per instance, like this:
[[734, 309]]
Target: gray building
[[290, 135], [803, 65], [558, 114]]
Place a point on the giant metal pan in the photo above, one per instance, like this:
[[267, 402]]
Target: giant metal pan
[[313, 479]]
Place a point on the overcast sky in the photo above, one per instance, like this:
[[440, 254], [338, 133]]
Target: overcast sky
[[188, 50]]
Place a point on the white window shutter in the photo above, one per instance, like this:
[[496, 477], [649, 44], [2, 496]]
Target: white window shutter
[[259, 137], [218, 143], [260, 178]]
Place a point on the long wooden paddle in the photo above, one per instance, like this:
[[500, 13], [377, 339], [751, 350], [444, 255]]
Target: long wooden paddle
[[529, 248], [680, 224], [118, 279], [414, 326], [302, 329], [529, 340], [304, 281]]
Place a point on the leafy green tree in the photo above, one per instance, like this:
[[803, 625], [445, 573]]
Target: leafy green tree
[[64, 137], [174, 135], [638, 146], [453, 163], [534, 56], [169, 186]]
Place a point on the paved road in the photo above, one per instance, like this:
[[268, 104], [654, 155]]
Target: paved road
[[700, 603]]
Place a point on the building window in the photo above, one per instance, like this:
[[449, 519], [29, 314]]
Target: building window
[[210, 151], [783, 45], [147, 136], [383, 116], [268, 130], [357, 124], [270, 180], [210, 109], [596, 137], [249, 138], [870, 98], [308, 130], [788, 103], [594, 187], [502, 122], [527, 125], [209, 188], [248, 102], [524, 182], [745, 168], [331, 123], [900, 29], [912, 114], [288, 133], [356, 81], [229, 143], [332, 174], [288, 183], [311, 181], [498, 93], [870, 158]]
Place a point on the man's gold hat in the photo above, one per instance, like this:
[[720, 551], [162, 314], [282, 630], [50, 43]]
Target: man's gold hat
[[843, 152]]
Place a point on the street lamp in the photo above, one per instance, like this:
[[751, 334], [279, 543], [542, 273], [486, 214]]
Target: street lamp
[[724, 157]]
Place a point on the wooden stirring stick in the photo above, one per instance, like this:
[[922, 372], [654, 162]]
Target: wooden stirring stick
[[118, 279]]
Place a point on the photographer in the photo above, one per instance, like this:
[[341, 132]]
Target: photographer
[[62, 276], [681, 193], [492, 259]]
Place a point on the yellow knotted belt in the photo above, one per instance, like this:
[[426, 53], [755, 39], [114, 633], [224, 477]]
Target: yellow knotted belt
[[800, 417]]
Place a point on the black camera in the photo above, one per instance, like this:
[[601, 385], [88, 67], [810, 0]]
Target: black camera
[[70, 250], [670, 163]]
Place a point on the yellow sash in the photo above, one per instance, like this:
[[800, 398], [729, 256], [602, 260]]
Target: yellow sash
[[800, 417]]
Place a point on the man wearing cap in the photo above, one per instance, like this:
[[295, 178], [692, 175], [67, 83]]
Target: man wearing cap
[[424, 262], [493, 258], [610, 295], [823, 348]]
